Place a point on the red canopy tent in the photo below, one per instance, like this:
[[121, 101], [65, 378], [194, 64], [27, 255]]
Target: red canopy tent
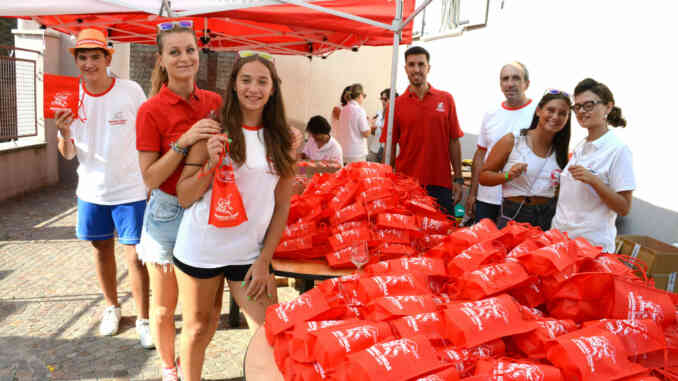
[[311, 27]]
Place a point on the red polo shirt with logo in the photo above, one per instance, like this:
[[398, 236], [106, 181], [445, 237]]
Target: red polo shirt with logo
[[163, 118], [424, 128]]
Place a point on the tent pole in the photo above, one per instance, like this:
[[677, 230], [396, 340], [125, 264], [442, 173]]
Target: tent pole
[[394, 72]]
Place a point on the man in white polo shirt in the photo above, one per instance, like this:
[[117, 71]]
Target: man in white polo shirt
[[514, 114], [111, 192]]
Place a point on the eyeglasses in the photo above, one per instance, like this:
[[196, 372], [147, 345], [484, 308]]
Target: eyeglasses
[[556, 92], [251, 53], [169, 25], [587, 106]]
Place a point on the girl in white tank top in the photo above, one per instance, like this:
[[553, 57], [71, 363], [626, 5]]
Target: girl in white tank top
[[528, 164]]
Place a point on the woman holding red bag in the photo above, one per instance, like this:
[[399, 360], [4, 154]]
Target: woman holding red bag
[[525, 163], [256, 150], [177, 115]]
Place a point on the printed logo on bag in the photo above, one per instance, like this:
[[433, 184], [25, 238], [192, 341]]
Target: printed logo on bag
[[60, 100], [483, 310], [225, 210], [386, 282], [312, 326], [440, 107], [384, 353], [490, 273], [118, 119], [554, 249], [430, 377], [399, 300], [639, 308], [596, 348], [283, 309], [606, 263], [516, 371], [414, 321], [346, 336], [418, 261], [627, 327], [553, 328], [319, 369]]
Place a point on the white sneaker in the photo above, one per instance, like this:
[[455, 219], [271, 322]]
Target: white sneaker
[[170, 374], [110, 321], [144, 332]]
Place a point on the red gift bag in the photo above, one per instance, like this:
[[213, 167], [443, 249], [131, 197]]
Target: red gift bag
[[281, 350], [226, 205], [397, 221], [529, 293], [361, 224], [392, 307], [383, 205], [517, 232], [514, 370], [531, 313], [396, 360], [332, 345], [387, 250], [635, 301], [482, 253], [638, 336], [375, 193], [473, 323], [60, 93], [370, 288], [301, 342], [448, 374], [307, 306], [533, 344], [424, 206], [465, 360], [435, 225], [346, 238], [585, 296], [299, 229], [343, 196], [355, 211], [409, 265], [341, 259], [548, 260], [491, 280], [391, 235], [592, 354], [428, 241], [430, 325], [296, 371]]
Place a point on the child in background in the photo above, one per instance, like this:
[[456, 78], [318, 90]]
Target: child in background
[[322, 147]]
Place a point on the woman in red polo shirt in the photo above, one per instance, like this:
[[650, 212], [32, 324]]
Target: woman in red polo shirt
[[263, 166], [176, 116]]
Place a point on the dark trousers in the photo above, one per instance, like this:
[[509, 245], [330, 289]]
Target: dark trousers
[[486, 210], [536, 215], [444, 198]]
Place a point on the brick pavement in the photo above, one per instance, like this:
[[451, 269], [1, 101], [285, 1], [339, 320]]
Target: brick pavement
[[50, 304]]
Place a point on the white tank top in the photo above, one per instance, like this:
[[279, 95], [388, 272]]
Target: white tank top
[[205, 246], [537, 181]]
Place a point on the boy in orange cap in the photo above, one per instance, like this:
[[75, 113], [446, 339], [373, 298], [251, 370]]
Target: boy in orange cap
[[111, 192]]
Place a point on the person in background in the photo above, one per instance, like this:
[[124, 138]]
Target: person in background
[[426, 127], [598, 183], [177, 115], [376, 147], [525, 162], [353, 127], [322, 147], [205, 256], [514, 114], [336, 110], [111, 193]]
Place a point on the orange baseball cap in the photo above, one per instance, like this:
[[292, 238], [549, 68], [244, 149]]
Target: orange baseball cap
[[91, 39]]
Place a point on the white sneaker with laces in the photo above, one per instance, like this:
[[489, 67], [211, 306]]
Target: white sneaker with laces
[[110, 321], [169, 374], [144, 332]]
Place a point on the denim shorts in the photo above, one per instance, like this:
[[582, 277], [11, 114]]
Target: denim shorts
[[98, 222], [159, 232]]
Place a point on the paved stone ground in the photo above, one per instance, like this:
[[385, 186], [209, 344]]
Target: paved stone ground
[[50, 304]]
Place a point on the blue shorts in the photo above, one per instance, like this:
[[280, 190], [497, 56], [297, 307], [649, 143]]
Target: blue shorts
[[160, 227], [100, 222]]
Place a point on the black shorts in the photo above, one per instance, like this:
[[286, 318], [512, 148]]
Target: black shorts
[[233, 273]]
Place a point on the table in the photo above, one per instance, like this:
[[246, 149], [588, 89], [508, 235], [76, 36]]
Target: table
[[307, 270], [259, 364]]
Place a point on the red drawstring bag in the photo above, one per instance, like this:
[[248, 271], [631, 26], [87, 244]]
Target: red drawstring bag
[[346, 238], [294, 245], [517, 232], [333, 344], [344, 195], [397, 221], [350, 226], [307, 306], [393, 307], [411, 265], [429, 325], [381, 206], [473, 323], [524, 248], [584, 250], [609, 263], [435, 225], [533, 344], [480, 254], [635, 301], [514, 370], [480, 231], [377, 182], [60, 93], [427, 241], [638, 336], [491, 280], [388, 250], [448, 374], [391, 236], [355, 211], [529, 293], [591, 354], [375, 193], [226, 206], [553, 236], [424, 206], [585, 296], [301, 344], [464, 360], [396, 360], [548, 260], [299, 229], [391, 285], [530, 313], [343, 288]]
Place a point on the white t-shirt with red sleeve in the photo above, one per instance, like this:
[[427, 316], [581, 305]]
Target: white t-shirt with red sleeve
[[496, 124], [104, 135]]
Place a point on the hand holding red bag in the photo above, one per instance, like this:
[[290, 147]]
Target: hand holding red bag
[[226, 205], [60, 93]]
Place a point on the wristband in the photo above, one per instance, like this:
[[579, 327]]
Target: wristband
[[179, 149], [459, 180], [506, 176]]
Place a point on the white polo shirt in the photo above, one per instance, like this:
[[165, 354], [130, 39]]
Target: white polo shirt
[[330, 151], [352, 122], [495, 125], [580, 211]]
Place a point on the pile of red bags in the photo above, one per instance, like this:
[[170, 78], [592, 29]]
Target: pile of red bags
[[516, 304], [363, 207]]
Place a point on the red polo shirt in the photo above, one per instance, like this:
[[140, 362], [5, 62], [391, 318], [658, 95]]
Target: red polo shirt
[[424, 128], [163, 118]]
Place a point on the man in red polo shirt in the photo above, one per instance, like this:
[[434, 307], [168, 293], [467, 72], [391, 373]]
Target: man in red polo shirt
[[427, 130]]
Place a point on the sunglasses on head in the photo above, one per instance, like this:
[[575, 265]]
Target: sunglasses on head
[[556, 92], [250, 53], [180, 24]]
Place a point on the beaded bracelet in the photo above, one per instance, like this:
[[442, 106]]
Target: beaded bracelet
[[177, 148]]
